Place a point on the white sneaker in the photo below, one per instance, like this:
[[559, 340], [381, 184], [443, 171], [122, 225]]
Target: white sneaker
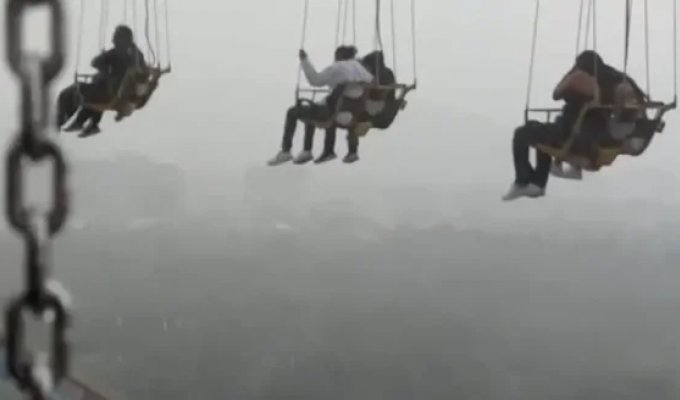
[[304, 157], [634, 145], [573, 173], [281, 158], [570, 173], [557, 169], [518, 191]]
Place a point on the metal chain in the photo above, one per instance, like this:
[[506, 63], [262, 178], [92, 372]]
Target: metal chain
[[36, 374]]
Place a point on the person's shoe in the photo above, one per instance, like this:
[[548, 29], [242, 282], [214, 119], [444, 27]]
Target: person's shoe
[[281, 158], [74, 127], [304, 157], [90, 131], [518, 191], [634, 145], [572, 172], [351, 158], [325, 157], [557, 169]]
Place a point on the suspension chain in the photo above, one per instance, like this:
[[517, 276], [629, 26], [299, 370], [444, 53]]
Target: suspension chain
[[36, 373]]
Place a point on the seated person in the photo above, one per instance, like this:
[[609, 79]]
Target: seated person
[[112, 68], [627, 99], [386, 99], [579, 86], [344, 70], [375, 62]]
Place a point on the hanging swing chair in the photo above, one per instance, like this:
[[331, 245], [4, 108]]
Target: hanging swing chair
[[635, 116], [357, 103], [138, 84]]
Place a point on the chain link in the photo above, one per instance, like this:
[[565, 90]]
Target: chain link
[[35, 373]]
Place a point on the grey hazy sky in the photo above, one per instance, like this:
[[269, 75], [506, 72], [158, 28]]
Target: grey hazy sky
[[235, 66]]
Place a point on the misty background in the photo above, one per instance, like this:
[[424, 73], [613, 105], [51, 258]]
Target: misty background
[[199, 273]]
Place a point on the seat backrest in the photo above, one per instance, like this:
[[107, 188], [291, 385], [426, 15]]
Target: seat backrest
[[353, 91], [355, 103], [375, 107], [641, 138], [350, 103]]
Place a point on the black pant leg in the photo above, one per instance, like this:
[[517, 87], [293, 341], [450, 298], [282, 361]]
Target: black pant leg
[[542, 171], [352, 142], [329, 143], [290, 125], [304, 112], [67, 104], [520, 153], [86, 114], [95, 117], [82, 117], [309, 137]]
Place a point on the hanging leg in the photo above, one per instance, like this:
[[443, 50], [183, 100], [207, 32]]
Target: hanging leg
[[67, 105], [352, 148], [329, 146], [526, 179], [94, 117], [524, 172], [306, 155]]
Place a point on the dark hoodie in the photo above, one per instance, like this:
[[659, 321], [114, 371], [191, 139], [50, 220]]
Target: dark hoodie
[[608, 78], [375, 63], [114, 64]]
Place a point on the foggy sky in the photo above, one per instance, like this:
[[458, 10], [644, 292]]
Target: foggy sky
[[221, 111]]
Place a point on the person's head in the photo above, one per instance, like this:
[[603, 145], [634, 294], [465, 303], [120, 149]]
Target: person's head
[[591, 62], [123, 37], [374, 61], [607, 76], [344, 53]]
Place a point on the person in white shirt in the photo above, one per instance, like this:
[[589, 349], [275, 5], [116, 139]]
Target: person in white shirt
[[345, 69]]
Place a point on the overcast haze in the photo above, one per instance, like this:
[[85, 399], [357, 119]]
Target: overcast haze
[[199, 273], [235, 66]]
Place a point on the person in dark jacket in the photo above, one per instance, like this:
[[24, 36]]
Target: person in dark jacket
[[581, 84], [383, 76], [112, 67]]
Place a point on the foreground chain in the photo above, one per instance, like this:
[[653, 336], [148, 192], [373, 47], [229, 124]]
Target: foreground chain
[[36, 373]]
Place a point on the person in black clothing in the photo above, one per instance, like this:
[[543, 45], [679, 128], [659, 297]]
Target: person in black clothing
[[112, 67], [328, 154], [383, 76], [580, 84]]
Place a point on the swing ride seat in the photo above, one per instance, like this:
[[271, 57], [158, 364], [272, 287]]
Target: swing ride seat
[[629, 132], [135, 84], [355, 105], [606, 154]]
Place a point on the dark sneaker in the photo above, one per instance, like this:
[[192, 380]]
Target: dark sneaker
[[351, 158], [90, 131], [326, 157]]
